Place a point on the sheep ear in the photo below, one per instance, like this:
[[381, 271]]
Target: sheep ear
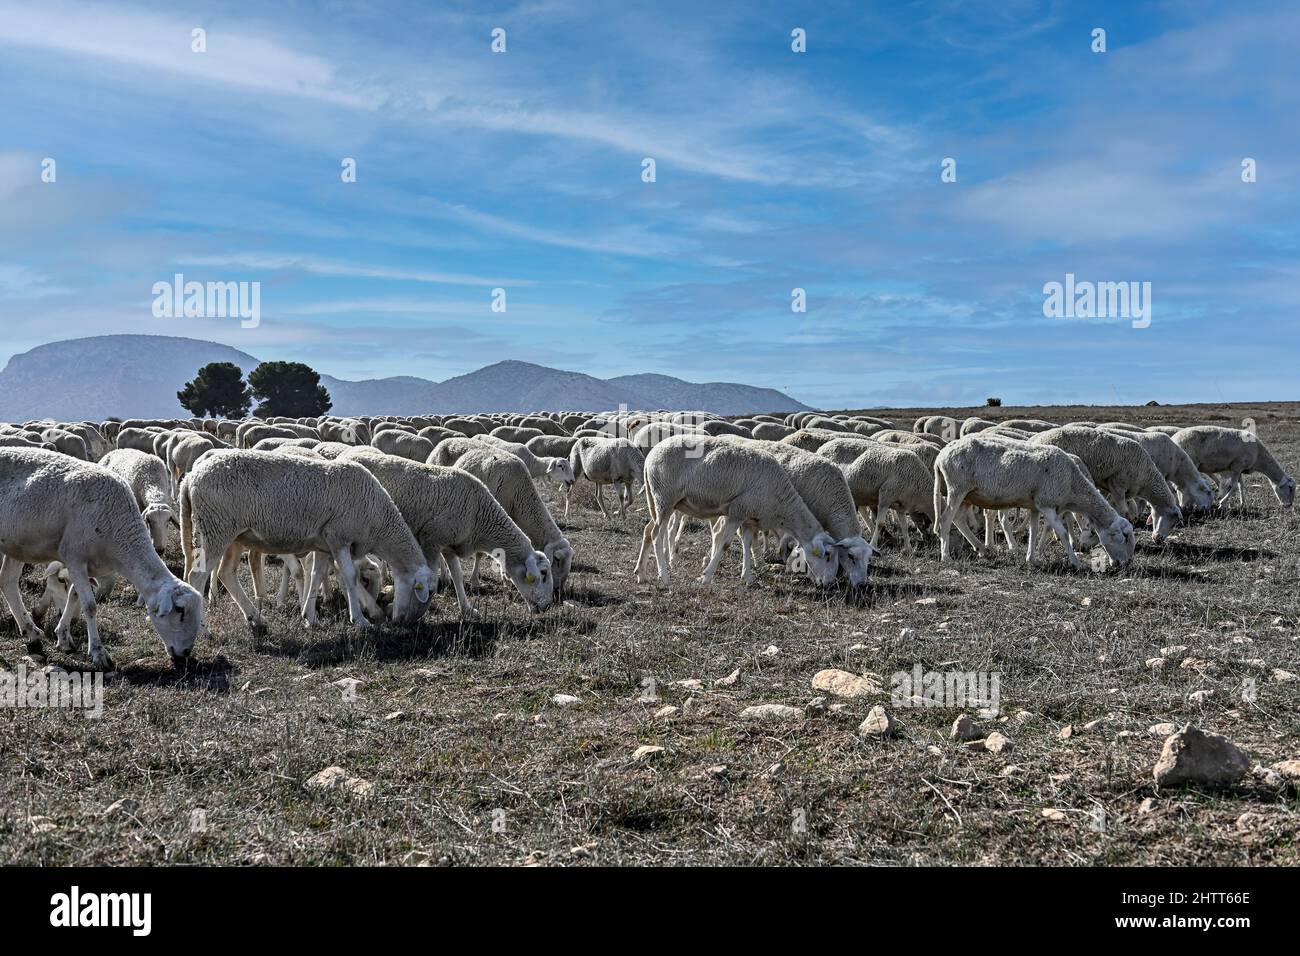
[[165, 603]]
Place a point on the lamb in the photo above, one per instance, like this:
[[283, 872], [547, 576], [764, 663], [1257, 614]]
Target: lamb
[[997, 473], [56, 508], [1216, 450], [454, 516], [709, 478], [1119, 466], [151, 483], [508, 480], [1193, 488], [884, 476], [608, 461], [280, 504]]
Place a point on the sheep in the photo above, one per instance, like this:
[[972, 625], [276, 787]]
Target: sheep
[[1120, 466], [437, 434], [141, 439], [1170, 430], [810, 439], [1193, 488], [1216, 450], [274, 444], [771, 431], [1029, 424], [250, 433], [56, 508], [67, 442], [998, 473], [151, 482], [18, 441], [508, 480], [825, 490], [551, 446], [403, 445], [943, 426], [289, 505], [466, 426], [974, 424], [556, 470], [515, 433], [883, 476], [709, 478], [454, 516], [608, 461]]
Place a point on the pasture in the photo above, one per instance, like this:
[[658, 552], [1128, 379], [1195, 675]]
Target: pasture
[[469, 761]]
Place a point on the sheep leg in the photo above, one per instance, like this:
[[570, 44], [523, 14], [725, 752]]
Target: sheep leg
[[600, 501], [458, 582], [944, 521], [348, 577], [747, 555], [319, 568], [228, 575], [63, 630], [85, 591], [969, 535], [11, 570], [624, 496], [568, 495], [907, 535], [661, 522], [1234, 483], [1054, 520], [725, 529], [256, 567]]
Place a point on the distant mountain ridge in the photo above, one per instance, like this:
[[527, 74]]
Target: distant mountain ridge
[[139, 375]]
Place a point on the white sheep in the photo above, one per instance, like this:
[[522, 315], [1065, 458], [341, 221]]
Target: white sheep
[[454, 516], [1120, 467], [1216, 450], [1193, 488], [282, 504], [883, 476], [55, 508], [508, 480], [1000, 473], [151, 483], [606, 461], [708, 478]]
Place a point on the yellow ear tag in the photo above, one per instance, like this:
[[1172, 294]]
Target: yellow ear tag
[[530, 578]]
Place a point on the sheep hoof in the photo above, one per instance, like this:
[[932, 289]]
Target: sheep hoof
[[101, 660], [36, 650], [65, 642], [258, 628]]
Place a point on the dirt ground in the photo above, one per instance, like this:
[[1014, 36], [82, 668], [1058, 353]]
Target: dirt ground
[[469, 761]]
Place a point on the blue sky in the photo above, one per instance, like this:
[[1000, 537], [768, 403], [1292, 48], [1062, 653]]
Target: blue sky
[[775, 170]]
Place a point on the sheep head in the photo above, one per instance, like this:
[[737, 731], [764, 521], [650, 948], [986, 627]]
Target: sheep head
[[533, 579], [1285, 491], [855, 557], [822, 559], [176, 612]]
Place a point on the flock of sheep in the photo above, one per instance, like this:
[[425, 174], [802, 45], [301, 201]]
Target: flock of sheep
[[389, 507]]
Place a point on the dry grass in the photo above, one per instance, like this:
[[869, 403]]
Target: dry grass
[[477, 740]]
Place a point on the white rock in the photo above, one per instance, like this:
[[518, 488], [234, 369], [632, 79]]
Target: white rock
[[877, 724], [771, 712], [647, 752], [1194, 758], [843, 684], [565, 700]]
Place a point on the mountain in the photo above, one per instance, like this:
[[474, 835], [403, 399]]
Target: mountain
[[139, 375]]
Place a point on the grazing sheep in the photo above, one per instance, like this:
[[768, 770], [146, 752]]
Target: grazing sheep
[[454, 516], [280, 504], [883, 476], [403, 445], [1216, 450], [825, 490], [708, 478], [515, 433], [771, 431], [607, 461], [151, 483], [67, 442], [1193, 488], [55, 508], [998, 474], [508, 480], [1120, 467], [551, 446]]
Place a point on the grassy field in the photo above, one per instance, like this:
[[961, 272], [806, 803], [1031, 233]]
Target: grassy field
[[470, 762]]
